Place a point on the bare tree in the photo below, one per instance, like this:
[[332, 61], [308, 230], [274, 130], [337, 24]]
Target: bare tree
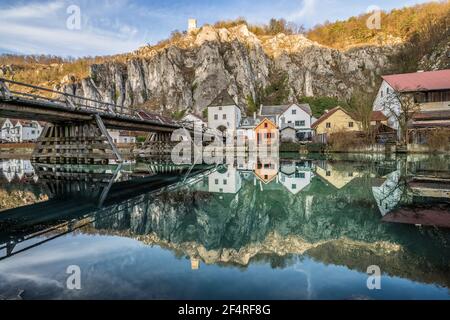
[[402, 106], [361, 106]]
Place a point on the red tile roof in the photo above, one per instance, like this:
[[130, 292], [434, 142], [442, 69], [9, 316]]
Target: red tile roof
[[378, 116], [419, 81]]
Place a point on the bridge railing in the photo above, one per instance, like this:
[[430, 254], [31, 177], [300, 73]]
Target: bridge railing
[[8, 90]]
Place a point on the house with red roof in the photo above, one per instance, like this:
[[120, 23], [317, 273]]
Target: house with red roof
[[430, 90]]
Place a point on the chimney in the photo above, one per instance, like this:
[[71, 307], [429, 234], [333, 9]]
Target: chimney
[[326, 110], [420, 71]]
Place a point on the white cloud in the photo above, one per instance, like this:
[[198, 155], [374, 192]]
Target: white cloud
[[37, 28], [307, 9]]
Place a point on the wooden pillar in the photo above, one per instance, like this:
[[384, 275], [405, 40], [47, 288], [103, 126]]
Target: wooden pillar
[[79, 143]]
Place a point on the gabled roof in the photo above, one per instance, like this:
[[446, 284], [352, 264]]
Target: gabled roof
[[223, 99], [378, 116], [273, 110], [419, 81], [268, 119], [145, 115], [325, 116], [278, 110]]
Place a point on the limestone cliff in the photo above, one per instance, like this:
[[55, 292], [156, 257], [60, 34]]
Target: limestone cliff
[[189, 72]]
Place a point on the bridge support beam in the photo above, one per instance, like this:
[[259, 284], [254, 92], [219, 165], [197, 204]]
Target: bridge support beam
[[78, 143], [158, 145]]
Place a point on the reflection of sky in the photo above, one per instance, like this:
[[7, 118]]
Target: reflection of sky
[[114, 267]]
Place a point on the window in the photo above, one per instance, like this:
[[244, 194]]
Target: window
[[294, 111], [300, 123], [266, 177], [224, 117], [328, 125], [382, 93], [266, 125], [33, 132], [294, 186], [225, 182], [300, 175], [387, 91], [216, 117], [328, 173], [126, 140], [220, 108], [216, 181], [350, 124]]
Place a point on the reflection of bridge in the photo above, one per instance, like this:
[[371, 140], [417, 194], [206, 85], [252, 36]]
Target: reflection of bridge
[[77, 130], [76, 198]]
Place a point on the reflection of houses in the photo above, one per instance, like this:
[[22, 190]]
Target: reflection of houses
[[14, 130], [337, 177], [19, 169], [267, 169], [295, 177], [431, 91], [334, 121], [224, 113], [222, 181], [387, 192], [419, 201]]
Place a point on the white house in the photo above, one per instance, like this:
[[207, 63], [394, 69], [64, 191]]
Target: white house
[[295, 178], [297, 116], [431, 90], [14, 130], [224, 113], [228, 181], [122, 136], [194, 119]]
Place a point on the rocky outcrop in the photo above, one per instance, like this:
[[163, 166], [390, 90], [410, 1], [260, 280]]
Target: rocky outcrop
[[189, 73]]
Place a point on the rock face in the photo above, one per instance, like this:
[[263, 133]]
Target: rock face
[[189, 73]]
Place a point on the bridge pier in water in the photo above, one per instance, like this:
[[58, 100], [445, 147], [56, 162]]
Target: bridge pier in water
[[77, 143]]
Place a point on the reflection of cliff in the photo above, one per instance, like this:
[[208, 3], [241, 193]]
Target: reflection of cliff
[[236, 228], [16, 198]]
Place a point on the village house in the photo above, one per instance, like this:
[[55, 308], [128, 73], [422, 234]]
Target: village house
[[191, 118], [266, 132], [295, 176], [296, 116], [122, 137], [224, 113], [14, 130], [334, 121], [431, 93]]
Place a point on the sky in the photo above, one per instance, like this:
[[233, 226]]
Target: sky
[[103, 27]]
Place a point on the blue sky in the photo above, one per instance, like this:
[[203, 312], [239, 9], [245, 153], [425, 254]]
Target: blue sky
[[116, 26]]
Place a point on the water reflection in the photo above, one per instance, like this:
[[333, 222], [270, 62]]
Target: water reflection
[[301, 215]]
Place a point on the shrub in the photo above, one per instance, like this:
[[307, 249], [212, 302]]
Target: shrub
[[438, 140]]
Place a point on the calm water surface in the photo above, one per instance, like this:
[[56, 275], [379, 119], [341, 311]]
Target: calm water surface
[[292, 228]]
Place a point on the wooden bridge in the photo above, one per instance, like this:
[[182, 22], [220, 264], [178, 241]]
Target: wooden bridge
[[76, 126]]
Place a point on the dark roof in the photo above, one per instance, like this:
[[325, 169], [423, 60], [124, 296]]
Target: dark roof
[[145, 115], [223, 99], [420, 81], [378, 116], [278, 110], [249, 122], [329, 114]]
